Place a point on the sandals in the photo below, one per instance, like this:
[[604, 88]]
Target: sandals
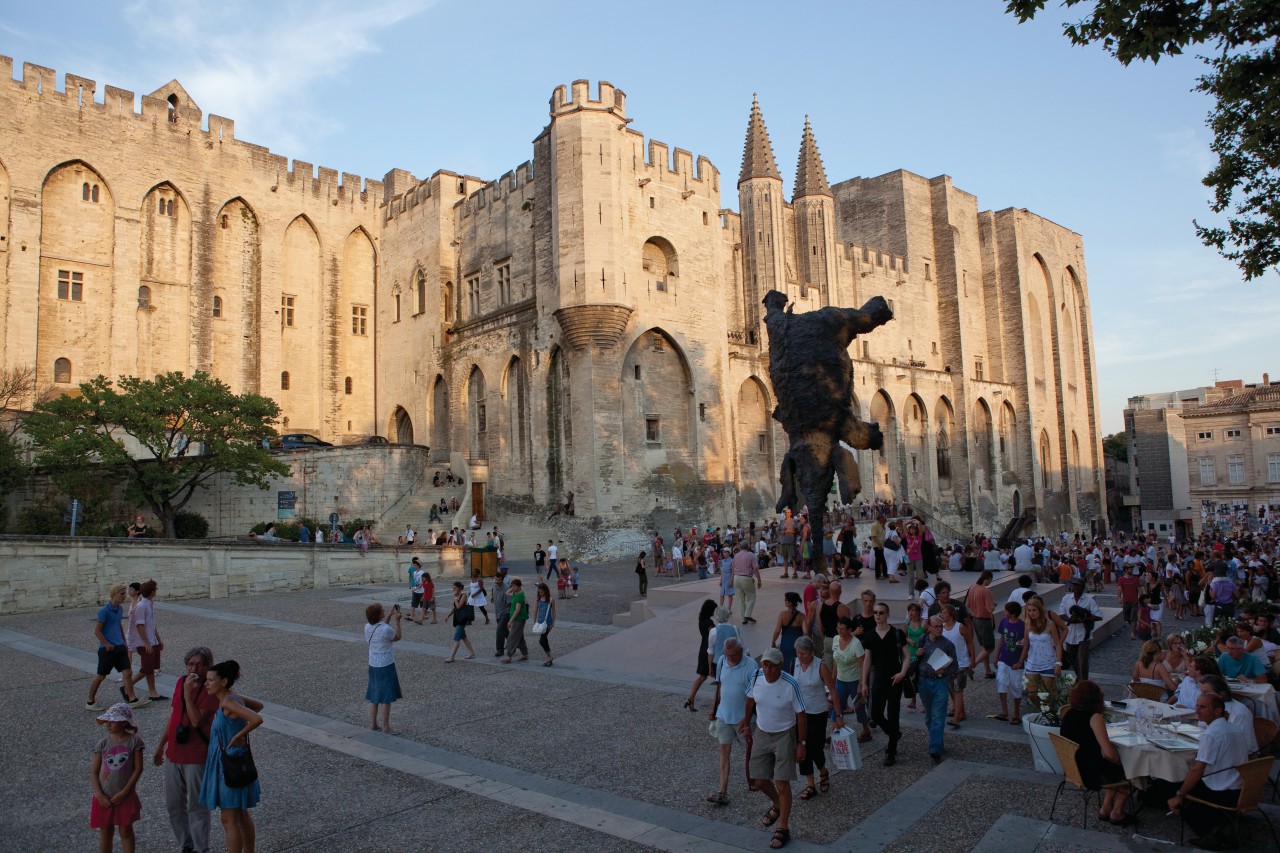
[[809, 793], [688, 703], [780, 839], [1004, 718], [718, 799], [1015, 721], [824, 781], [770, 817]]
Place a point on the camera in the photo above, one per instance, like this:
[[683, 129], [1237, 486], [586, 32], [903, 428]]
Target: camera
[[183, 734]]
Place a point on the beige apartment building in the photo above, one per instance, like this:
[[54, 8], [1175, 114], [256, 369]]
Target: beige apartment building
[[1233, 456], [590, 321]]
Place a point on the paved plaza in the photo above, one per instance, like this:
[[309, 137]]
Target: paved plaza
[[595, 753]]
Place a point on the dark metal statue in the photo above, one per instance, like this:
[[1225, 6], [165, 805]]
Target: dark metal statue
[[812, 378]]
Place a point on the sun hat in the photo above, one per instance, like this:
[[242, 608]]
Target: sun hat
[[772, 655], [118, 713]]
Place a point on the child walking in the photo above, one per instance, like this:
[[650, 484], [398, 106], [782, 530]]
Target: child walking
[[1010, 637], [117, 764]]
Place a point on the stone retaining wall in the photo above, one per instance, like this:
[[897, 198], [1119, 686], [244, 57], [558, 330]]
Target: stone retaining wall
[[50, 573]]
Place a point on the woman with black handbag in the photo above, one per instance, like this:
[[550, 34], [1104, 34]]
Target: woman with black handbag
[[230, 776], [462, 615]]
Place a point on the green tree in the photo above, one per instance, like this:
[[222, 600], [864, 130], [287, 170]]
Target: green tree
[[17, 393], [1116, 446], [183, 432], [1243, 80]]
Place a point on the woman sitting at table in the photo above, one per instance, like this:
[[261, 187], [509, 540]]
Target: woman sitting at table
[[1174, 664], [1253, 644], [1148, 670], [1097, 758], [1189, 688]]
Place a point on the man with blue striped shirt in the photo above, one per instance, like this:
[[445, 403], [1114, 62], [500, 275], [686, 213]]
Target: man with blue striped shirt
[[776, 741]]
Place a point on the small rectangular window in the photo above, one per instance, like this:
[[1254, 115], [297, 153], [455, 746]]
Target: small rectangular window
[[977, 368], [657, 343], [287, 304], [1235, 470], [503, 274], [762, 443], [473, 295], [71, 285], [653, 429], [359, 320], [1273, 430], [637, 371], [1233, 433], [1205, 435]]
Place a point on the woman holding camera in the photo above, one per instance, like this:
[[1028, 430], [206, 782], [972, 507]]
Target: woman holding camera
[[185, 743], [384, 684]]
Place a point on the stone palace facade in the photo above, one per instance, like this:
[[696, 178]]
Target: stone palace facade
[[588, 322]]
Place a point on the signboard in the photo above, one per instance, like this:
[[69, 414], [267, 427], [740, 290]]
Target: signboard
[[285, 504], [333, 521]]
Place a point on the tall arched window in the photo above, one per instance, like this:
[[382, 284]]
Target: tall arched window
[[422, 293], [144, 296], [447, 295], [284, 380], [62, 371], [217, 306], [348, 385]]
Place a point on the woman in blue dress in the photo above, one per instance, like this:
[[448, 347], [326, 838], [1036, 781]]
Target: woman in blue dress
[[236, 717]]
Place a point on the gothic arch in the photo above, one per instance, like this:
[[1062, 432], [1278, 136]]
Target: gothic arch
[[886, 462], [440, 445], [756, 466], [302, 312], [944, 433], [515, 421], [231, 349], [359, 282], [559, 425], [1046, 461], [658, 423], [1010, 455], [659, 259], [1081, 319], [401, 431], [477, 414], [982, 440], [915, 443]]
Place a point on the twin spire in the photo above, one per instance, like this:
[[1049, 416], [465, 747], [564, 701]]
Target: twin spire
[[758, 161]]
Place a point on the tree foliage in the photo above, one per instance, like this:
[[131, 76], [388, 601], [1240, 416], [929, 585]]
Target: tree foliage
[[1243, 80], [182, 432], [1116, 446]]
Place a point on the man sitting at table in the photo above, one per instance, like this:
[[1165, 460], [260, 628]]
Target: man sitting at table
[[1212, 776], [1235, 662], [1238, 713]]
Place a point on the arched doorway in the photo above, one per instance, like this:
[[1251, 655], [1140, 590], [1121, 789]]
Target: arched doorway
[[403, 426], [885, 466], [440, 446]]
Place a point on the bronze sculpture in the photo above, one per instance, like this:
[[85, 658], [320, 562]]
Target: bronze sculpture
[[812, 378]]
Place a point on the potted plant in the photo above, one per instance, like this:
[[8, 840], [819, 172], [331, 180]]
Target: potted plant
[[1050, 703]]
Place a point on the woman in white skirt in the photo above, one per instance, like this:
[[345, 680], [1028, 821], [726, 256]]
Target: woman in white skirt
[[892, 558], [477, 598], [384, 684]]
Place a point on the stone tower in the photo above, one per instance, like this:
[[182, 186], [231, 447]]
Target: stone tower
[[814, 206], [760, 199]]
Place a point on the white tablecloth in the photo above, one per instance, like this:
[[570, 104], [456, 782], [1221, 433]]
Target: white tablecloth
[[1260, 697], [1141, 759]]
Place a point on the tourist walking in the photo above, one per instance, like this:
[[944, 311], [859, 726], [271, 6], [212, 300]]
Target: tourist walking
[[960, 636], [517, 616], [788, 628], [115, 770], [703, 669], [981, 607], [726, 581], [384, 683], [236, 716], [477, 598], [1076, 616], [883, 675], [816, 682], [1010, 637], [937, 666], [734, 674], [112, 651], [876, 537], [746, 580], [461, 615], [850, 658], [642, 575], [145, 638], [893, 553], [777, 739], [501, 601], [718, 636], [183, 751], [1042, 652], [544, 620]]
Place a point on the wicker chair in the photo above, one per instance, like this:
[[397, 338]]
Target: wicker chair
[[1066, 750], [1138, 690], [1253, 775]]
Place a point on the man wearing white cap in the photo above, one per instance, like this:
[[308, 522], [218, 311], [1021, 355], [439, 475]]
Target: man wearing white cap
[[777, 740]]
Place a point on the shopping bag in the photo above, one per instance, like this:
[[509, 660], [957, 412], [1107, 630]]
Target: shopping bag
[[845, 752]]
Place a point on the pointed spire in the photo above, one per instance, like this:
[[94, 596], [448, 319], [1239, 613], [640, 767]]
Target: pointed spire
[[811, 178], [757, 154]]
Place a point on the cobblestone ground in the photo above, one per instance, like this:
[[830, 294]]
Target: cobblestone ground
[[488, 755]]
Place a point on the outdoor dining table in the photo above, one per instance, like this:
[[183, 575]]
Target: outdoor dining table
[[1260, 697], [1139, 756]]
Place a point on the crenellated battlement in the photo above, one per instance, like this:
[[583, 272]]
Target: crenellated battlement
[[609, 99], [182, 116], [675, 166], [497, 192], [874, 261]]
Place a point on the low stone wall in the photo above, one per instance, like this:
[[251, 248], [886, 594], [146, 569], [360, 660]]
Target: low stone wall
[[50, 573]]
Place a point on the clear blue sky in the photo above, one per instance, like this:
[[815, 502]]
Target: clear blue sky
[[1015, 114]]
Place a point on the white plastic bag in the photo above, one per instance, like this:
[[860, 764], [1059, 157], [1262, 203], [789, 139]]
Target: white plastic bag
[[846, 754]]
